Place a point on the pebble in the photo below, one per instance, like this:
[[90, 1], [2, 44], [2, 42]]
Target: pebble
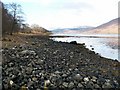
[[29, 70], [28, 52], [64, 75], [86, 79], [71, 85], [30, 83], [80, 85], [11, 64], [78, 77], [34, 79], [106, 85], [94, 79], [57, 72], [24, 87], [47, 82], [65, 84], [96, 86], [11, 82]]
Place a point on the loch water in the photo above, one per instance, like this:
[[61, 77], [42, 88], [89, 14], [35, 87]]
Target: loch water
[[105, 45]]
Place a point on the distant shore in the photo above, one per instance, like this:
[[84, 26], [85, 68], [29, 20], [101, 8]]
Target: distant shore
[[37, 62]]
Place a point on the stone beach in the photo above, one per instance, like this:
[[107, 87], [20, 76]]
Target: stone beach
[[39, 63]]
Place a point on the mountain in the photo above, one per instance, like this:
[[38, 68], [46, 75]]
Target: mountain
[[71, 30], [110, 27]]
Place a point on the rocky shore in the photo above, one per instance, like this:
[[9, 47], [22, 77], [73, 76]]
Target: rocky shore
[[38, 63]]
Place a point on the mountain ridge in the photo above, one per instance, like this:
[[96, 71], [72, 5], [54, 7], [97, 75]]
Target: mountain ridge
[[72, 30], [110, 27]]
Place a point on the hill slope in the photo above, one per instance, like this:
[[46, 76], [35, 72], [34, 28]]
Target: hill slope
[[110, 27]]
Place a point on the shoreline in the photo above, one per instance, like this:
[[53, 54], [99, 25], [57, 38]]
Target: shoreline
[[38, 62], [110, 45]]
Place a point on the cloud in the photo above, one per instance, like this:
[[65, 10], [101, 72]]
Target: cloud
[[69, 5], [31, 1], [68, 13], [73, 5]]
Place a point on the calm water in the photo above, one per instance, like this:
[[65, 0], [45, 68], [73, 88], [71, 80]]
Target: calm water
[[105, 45]]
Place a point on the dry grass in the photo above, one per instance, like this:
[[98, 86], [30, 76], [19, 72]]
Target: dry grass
[[17, 39]]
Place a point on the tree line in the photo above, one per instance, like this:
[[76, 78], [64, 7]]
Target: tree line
[[13, 21]]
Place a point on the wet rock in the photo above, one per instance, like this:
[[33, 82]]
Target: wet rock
[[73, 42], [90, 45], [92, 48]]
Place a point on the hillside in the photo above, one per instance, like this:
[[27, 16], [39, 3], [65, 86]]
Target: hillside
[[110, 27], [36, 30]]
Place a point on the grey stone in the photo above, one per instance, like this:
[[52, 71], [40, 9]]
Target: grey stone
[[47, 82], [96, 86], [86, 79], [65, 84], [29, 70], [11, 64], [106, 85], [64, 75], [71, 84], [90, 84], [57, 72], [30, 83], [78, 77], [38, 89], [34, 79], [80, 85], [28, 52], [94, 79]]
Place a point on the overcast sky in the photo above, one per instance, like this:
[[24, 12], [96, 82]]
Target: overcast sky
[[68, 13]]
